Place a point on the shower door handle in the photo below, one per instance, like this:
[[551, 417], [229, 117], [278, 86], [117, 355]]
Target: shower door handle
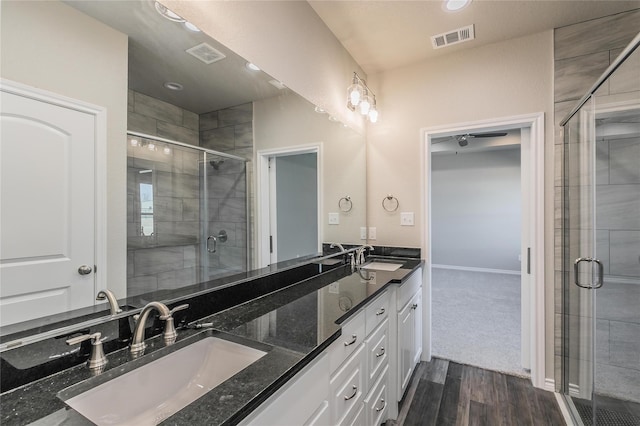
[[600, 276], [215, 244], [222, 236]]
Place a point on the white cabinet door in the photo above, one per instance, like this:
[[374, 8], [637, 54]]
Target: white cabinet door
[[47, 176], [417, 326], [406, 335]]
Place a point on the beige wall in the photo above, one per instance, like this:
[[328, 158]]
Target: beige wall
[[288, 120], [51, 46], [505, 79], [287, 40]]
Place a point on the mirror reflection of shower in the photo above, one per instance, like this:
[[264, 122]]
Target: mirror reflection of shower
[[179, 195]]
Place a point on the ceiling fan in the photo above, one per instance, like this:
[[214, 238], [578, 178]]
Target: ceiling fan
[[463, 140]]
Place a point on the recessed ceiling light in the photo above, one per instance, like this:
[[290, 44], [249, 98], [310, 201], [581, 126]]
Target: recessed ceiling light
[[173, 85], [277, 84], [191, 27], [319, 110], [455, 5], [252, 67], [166, 13]]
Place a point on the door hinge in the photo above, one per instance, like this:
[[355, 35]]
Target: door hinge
[[270, 243]]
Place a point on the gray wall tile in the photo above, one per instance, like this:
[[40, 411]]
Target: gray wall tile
[[624, 160], [156, 260], [209, 121], [603, 249], [626, 78], [155, 108], [177, 133], [243, 134], [602, 162], [618, 302], [625, 345], [235, 115], [609, 32], [220, 139], [141, 123], [625, 255], [617, 207], [190, 120], [574, 76]]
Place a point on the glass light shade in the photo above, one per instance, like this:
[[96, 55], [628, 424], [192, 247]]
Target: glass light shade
[[365, 105], [453, 5], [355, 94], [373, 115]]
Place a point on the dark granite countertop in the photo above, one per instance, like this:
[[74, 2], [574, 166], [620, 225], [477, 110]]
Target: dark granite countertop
[[296, 331]]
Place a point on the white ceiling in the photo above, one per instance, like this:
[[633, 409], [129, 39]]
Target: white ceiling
[[383, 35]]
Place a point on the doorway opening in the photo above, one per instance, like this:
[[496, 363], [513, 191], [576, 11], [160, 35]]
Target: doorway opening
[[288, 204], [484, 217], [476, 212]]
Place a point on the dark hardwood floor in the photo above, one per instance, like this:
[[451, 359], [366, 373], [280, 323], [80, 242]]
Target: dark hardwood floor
[[447, 393]]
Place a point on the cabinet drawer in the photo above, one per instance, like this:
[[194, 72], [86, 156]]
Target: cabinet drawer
[[321, 417], [409, 288], [376, 401], [376, 312], [347, 386], [352, 337], [377, 346], [358, 419]]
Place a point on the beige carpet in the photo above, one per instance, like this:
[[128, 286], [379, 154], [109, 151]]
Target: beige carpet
[[476, 319]]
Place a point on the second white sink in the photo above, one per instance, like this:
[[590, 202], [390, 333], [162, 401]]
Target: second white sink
[[153, 392], [383, 266]]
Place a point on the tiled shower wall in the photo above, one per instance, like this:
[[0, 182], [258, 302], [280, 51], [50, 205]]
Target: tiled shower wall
[[582, 53], [175, 257], [230, 130]]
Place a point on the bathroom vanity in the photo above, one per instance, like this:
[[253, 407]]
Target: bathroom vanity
[[347, 337]]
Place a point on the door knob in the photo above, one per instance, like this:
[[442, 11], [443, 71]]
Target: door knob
[[85, 270]]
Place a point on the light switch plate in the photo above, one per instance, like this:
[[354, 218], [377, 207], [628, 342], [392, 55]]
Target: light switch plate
[[334, 219], [406, 219], [372, 232], [363, 232]]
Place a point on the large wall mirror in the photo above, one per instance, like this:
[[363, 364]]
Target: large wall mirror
[[228, 170]]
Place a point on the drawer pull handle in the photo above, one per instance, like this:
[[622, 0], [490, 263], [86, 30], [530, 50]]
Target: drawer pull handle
[[384, 404], [354, 337], [380, 312], [355, 392], [414, 306], [378, 355]]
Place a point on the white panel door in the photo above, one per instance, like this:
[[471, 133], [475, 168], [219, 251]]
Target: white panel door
[[47, 208]]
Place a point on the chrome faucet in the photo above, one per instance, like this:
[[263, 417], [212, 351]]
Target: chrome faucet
[[97, 360], [333, 245], [360, 253], [137, 342], [113, 302]]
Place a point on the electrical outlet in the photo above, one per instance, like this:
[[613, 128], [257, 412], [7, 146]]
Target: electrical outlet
[[363, 232], [334, 219], [406, 219], [372, 232]]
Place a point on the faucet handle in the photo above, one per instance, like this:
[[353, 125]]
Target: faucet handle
[[97, 359], [95, 339], [174, 310]]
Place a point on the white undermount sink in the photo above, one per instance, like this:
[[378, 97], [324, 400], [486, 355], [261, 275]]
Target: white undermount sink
[[151, 393], [383, 266]]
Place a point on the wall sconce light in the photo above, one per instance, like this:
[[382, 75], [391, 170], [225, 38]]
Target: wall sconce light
[[360, 96]]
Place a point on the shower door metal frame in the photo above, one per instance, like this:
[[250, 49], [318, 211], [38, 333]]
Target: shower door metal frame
[[586, 386]]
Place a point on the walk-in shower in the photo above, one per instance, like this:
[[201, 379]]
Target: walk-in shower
[[601, 249], [187, 214]]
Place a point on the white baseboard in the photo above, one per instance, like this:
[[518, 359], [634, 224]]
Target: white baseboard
[[549, 384], [473, 269]]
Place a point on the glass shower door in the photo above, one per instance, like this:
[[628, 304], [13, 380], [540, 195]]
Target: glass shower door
[[582, 268]]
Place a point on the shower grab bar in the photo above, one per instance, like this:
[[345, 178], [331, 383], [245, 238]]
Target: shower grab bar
[[600, 276]]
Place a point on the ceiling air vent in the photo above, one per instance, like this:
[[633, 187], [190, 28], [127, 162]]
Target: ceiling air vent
[[453, 37], [206, 53]]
